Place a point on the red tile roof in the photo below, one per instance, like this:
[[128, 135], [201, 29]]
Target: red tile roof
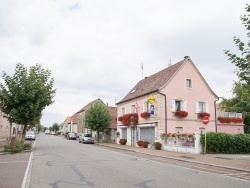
[[113, 112], [88, 105], [74, 119], [153, 82]]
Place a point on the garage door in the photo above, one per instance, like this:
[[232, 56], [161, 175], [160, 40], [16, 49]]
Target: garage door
[[147, 134], [124, 133]]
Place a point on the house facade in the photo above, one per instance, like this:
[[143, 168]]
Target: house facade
[[6, 130], [173, 100], [108, 135]]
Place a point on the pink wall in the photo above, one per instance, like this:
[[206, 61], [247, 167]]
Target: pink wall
[[231, 129], [200, 91]]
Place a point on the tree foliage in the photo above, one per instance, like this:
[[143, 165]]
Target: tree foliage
[[24, 95], [55, 127], [242, 61], [98, 117], [241, 89]]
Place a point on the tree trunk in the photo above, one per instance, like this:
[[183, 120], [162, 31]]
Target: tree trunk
[[97, 136]]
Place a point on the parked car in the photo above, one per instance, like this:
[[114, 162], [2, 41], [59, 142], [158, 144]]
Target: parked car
[[30, 135], [86, 138], [71, 136]]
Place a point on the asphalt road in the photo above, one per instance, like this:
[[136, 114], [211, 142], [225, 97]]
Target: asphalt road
[[61, 163]]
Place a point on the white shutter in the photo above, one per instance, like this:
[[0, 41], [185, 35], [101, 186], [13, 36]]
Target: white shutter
[[185, 105], [172, 105], [207, 107], [196, 107]]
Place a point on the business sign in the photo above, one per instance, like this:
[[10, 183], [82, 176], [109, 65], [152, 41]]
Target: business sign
[[152, 110]]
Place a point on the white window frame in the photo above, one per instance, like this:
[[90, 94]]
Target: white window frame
[[188, 83], [183, 105], [146, 107], [201, 106], [123, 111], [132, 109]]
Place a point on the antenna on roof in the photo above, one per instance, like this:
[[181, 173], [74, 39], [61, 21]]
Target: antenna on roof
[[170, 63], [142, 70]]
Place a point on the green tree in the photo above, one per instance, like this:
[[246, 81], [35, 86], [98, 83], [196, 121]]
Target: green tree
[[242, 61], [26, 94], [98, 118], [241, 89], [55, 127]]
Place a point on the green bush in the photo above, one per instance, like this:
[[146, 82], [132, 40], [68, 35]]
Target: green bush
[[226, 143]]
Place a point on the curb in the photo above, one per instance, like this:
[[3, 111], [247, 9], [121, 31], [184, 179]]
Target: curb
[[179, 159]]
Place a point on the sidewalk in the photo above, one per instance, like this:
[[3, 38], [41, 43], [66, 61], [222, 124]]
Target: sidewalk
[[241, 162]]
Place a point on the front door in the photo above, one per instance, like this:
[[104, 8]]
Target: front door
[[133, 136]]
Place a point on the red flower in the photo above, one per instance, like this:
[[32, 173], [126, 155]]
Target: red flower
[[145, 115], [127, 119], [181, 113], [202, 114]]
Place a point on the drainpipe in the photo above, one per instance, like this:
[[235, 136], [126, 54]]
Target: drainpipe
[[165, 97], [215, 113]]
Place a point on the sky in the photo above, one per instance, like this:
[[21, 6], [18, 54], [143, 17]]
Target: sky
[[96, 48]]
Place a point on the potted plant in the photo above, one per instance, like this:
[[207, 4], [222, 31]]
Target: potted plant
[[123, 141], [145, 144], [157, 145]]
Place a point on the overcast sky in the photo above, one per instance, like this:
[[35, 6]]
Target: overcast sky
[[95, 48]]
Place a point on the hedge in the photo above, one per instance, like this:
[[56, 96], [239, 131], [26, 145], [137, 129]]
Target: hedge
[[226, 143]]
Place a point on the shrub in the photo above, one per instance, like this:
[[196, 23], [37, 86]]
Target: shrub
[[226, 143]]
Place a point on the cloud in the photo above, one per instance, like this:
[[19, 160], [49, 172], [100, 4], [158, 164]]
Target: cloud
[[95, 49]]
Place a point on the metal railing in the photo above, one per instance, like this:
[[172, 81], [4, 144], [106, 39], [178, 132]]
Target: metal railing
[[229, 114]]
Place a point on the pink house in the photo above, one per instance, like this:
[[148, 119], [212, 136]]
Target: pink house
[[175, 99]]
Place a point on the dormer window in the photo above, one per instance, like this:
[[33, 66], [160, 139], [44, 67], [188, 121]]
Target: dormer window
[[132, 91]]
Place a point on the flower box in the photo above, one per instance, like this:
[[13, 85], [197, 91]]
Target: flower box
[[181, 113], [145, 115], [201, 115], [230, 119]]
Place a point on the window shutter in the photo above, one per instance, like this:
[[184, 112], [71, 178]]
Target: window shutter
[[196, 107], [185, 105], [207, 107], [172, 105]]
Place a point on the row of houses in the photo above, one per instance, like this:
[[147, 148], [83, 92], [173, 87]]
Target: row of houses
[[173, 100]]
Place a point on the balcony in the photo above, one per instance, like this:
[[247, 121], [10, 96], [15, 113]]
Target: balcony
[[229, 114]]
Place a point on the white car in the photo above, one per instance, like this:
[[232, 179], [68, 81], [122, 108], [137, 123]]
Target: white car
[[30, 135], [86, 138]]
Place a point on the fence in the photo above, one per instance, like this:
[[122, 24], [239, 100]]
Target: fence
[[183, 144]]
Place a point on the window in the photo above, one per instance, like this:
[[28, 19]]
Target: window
[[177, 105], [146, 107], [123, 111], [132, 109], [188, 83], [201, 107]]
